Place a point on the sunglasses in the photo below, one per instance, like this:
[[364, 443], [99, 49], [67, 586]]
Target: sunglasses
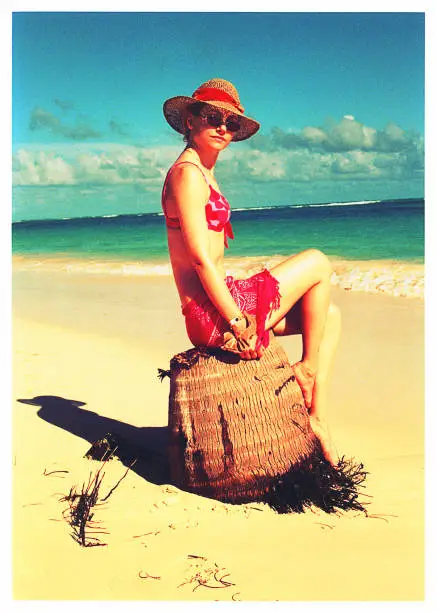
[[215, 119]]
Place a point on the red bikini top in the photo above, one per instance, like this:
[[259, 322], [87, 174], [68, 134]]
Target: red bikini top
[[217, 209]]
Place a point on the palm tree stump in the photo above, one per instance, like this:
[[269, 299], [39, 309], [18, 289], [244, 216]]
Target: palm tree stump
[[239, 431]]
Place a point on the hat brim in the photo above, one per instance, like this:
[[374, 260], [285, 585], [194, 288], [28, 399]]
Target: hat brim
[[174, 110]]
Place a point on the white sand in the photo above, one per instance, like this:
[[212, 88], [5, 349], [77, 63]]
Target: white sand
[[100, 340]]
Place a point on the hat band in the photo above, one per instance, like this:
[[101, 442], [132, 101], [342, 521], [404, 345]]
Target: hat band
[[211, 94]]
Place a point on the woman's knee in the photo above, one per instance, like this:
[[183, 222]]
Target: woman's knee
[[320, 260]]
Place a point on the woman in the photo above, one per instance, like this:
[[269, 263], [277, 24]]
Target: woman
[[292, 298]]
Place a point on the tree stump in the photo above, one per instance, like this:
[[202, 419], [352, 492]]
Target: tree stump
[[239, 431]]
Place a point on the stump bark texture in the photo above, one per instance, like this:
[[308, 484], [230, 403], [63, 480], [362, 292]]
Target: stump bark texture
[[236, 426], [239, 431]]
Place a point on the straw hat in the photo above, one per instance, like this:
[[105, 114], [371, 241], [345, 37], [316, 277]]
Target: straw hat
[[218, 93]]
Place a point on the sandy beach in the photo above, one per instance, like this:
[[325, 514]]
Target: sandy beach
[[99, 340]]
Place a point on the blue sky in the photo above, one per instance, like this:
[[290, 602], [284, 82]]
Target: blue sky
[[340, 99]]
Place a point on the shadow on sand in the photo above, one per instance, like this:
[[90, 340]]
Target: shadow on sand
[[146, 444]]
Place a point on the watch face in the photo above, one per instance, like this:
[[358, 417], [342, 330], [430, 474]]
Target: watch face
[[236, 320]]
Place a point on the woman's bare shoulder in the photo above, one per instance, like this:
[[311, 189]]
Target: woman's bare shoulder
[[186, 175]]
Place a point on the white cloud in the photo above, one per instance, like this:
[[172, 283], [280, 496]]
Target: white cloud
[[83, 165], [41, 168], [349, 134], [314, 135], [347, 150], [345, 135]]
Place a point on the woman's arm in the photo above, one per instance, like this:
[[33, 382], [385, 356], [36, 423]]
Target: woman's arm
[[190, 194]]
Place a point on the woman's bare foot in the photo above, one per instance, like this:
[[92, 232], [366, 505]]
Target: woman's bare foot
[[305, 377], [321, 431]]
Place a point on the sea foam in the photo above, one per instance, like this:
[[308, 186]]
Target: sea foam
[[395, 278]]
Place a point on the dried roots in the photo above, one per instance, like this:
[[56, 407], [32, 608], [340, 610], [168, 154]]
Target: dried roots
[[81, 512], [315, 481]]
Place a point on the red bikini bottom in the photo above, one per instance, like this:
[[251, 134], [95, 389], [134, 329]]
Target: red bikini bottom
[[258, 295]]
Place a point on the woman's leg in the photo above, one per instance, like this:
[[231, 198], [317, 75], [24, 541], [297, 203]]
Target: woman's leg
[[304, 284]]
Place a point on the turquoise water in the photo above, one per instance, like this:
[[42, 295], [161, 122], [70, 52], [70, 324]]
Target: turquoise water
[[359, 231]]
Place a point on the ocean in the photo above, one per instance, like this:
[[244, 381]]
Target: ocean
[[384, 230]]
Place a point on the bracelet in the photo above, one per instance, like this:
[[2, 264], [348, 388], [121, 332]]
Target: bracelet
[[236, 320]]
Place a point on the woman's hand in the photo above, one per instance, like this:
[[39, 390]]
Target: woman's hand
[[242, 339]]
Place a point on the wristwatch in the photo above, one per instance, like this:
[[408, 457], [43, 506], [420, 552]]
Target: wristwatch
[[236, 320]]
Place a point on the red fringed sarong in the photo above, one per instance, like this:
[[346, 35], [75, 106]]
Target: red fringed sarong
[[258, 295]]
